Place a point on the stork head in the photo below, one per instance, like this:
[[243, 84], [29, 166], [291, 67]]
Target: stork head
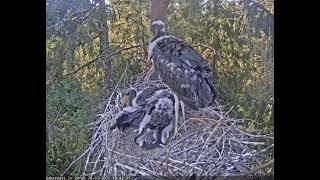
[[158, 29], [128, 97]]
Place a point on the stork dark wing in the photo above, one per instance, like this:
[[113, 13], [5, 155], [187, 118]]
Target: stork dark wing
[[129, 116], [145, 94], [185, 71]]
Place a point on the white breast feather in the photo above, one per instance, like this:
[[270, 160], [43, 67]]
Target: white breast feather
[[159, 22], [129, 109]]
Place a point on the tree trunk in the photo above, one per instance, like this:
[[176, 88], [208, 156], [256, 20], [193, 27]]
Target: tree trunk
[[104, 42], [146, 63], [159, 10], [70, 43]]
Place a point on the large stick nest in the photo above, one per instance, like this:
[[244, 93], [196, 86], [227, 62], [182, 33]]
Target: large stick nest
[[209, 143]]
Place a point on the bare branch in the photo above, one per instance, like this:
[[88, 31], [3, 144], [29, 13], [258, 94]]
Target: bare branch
[[75, 161], [268, 164], [92, 61], [132, 169]]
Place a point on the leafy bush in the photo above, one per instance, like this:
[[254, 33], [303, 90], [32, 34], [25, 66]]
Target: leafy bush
[[68, 111]]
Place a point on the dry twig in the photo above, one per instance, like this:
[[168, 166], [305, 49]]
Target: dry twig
[[212, 147]]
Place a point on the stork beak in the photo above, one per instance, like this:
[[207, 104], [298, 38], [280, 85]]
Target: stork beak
[[154, 30], [125, 101], [157, 32]]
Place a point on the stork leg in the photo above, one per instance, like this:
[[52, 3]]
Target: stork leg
[[166, 133], [119, 97], [183, 114], [176, 110]]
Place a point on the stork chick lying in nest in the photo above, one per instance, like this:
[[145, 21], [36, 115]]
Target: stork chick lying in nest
[[151, 112]]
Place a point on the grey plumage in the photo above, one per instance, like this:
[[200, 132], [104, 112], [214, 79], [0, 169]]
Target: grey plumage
[[133, 114], [146, 93], [158, 122], [151, 112]]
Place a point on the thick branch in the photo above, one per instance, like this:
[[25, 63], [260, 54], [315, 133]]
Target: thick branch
[[90, 62], [259, 6]]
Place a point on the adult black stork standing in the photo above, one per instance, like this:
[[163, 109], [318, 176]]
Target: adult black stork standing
[[180, 66]]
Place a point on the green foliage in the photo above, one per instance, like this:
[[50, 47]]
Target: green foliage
[[68, 111], [241, 34]]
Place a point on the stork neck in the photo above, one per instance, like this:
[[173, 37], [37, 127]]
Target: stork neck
[[131, 98]]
